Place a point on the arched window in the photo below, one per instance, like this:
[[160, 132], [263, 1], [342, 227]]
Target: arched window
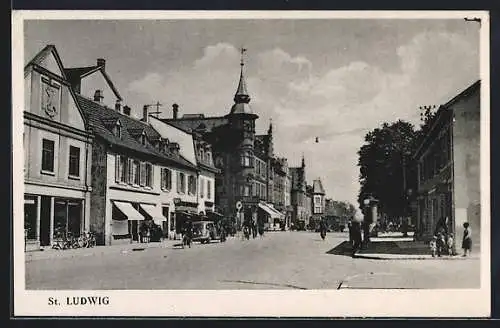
[[143, 139]]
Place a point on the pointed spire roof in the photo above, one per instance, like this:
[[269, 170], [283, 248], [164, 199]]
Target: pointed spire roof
[[303, 161], [318, 187], [270, 130], [241, 97]]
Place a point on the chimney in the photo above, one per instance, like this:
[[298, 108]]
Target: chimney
[[175, 110], [101, 63], [145, 113], [98, 96], [126, 110], [118, 106]]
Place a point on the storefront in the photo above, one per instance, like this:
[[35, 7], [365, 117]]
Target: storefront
[[48, 217]]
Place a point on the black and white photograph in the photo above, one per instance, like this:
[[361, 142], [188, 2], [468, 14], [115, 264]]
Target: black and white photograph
[[247, 163]]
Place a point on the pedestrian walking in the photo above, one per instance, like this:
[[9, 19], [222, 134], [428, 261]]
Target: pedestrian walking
[[467, 239], [356, 237], [349, 227], [440, 244]]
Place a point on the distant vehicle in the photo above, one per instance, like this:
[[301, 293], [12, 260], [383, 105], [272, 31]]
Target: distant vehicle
[[205, 231]]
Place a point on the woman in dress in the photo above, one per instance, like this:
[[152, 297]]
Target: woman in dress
[[467, 240]]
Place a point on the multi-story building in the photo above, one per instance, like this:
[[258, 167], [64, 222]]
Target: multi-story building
[[301, 211], [448, 160], [242, 157], [136, 174], [198, 152], [318, 200], [57, 153]]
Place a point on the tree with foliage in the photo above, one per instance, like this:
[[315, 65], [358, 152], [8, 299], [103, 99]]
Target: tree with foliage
[[385, 166]]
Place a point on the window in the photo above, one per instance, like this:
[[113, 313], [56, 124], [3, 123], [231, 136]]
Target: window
[[254, 189], [123, 166], [246, 191], [181, 183], [202, 189], [143, 139], [246, 161], [209, 189], [136, 173], [149, 175], [48, 155], [317, 209], [202, 155], [208, 156], [74, 161], [166, 179], [191, 185]]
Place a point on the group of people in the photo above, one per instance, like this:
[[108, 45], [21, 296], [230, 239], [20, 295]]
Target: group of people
[[251, 228], [443, 242]]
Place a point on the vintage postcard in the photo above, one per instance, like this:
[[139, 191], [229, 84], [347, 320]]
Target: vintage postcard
[[257, 164]]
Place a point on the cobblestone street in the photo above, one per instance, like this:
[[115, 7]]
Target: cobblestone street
[[279, 260]]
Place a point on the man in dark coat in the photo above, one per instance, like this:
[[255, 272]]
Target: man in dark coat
[[356, 237]]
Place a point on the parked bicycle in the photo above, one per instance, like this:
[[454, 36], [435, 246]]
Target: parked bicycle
[[69, 241]]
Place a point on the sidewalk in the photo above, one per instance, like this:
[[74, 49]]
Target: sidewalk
[[395, 250], [50, 253]]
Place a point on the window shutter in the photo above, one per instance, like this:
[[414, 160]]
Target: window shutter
[[169, 179], [142, 172], [162, 178], [117, 168]]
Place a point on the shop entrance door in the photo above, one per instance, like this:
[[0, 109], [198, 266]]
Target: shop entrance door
[[45, 221]]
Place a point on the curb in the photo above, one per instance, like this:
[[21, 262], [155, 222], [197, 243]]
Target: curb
[[394, 257], [31, 256]]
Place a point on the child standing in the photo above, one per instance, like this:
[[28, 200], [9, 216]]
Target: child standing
[[450, 243], [433, 246], [441, 244], [467, 240]]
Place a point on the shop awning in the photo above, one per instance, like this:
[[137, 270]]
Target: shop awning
[[129, 211], [268, 210], [155, 213], [276, 211]]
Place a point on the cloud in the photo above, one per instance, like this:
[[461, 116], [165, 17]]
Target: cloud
[[338, 105]]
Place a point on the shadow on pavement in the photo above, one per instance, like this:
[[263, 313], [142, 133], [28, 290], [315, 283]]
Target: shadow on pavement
[[383, 247]]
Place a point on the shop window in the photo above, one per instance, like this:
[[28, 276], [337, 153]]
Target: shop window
[[74, 161], [30, 217], [47, 155]]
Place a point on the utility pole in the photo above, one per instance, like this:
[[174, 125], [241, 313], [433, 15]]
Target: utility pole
[[157, 112]]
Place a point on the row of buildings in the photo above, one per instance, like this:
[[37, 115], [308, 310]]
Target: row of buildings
[[447, 162], [91, 166]]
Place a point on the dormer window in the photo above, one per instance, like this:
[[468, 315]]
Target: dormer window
[[208, 157], [118, 129], [201, 154], [143, 139]]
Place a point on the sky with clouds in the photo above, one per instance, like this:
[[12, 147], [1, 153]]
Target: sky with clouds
[[334, 79]]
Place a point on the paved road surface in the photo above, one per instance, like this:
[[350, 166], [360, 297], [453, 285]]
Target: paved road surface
[[280, 260]]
